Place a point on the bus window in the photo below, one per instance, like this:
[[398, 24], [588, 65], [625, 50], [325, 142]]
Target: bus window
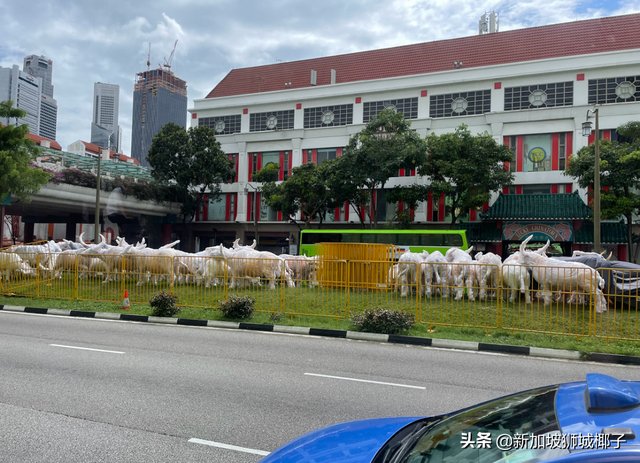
[[313, 238], [452, 240], [432, 239], [351, 238], [408, 239]]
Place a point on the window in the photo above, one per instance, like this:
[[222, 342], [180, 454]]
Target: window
[[531, 412], [258, 161], [536, 189], [222, 125], [407, 106], [270, 158], [538, 96], [267, 213], [217, 209], [460, 104], [537, 153], [272, 120], [326, 155], [435, 208], [614, 90], [232, 207], [328, 116], [562, 151]]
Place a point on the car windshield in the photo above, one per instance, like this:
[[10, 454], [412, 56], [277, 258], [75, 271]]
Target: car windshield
[[478, 434]]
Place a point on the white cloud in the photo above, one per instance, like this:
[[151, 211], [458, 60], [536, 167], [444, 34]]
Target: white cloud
[[108, 42]]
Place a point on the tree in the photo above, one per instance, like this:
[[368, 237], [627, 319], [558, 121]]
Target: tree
[[372, 157], [305, 191], [466, 168], [192, 161], [410, 196], [16, 150], [619, 175]]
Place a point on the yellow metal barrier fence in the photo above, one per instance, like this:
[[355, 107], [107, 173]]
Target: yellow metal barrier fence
[[552, 300], [622, 319], [461, 295]]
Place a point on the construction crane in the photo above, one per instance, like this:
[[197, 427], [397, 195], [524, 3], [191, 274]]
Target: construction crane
[[149, 58], [167, 62]]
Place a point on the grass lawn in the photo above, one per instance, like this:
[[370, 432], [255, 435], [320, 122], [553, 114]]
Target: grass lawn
[[561, 326]]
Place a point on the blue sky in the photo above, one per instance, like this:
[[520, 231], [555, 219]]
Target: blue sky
[[95, 41]]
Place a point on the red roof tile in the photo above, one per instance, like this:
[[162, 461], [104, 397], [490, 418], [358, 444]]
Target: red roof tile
[[535, 43], [38, 139], [92, 148]]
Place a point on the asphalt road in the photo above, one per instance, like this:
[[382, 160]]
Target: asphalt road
[[174, 393]]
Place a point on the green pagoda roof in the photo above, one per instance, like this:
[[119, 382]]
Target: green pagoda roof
[[482, 232], [610, 233], [560, 206]]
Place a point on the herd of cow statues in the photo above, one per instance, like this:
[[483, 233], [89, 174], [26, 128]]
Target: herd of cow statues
[[453, 274]]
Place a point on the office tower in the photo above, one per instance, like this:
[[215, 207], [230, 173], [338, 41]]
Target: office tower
[[25, 92], [104, 128], [159, 97], [42, 67]]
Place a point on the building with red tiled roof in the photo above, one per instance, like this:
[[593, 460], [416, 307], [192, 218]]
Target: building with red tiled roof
[[529, 88], [84, 148], [593, 36]]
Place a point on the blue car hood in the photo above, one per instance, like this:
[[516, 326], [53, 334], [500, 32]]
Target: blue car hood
[[352, 442]]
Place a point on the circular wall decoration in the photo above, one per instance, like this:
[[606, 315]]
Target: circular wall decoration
[[537, 154], [272, 122], [459, 105], [625, 90], [538, 97], [328, 117], [219, 126], [392, 108]]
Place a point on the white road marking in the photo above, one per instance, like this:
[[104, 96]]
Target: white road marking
[[229, 447], [366, 381], [87, 348]]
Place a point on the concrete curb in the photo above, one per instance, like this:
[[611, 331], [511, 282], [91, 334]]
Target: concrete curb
[[353, 335]]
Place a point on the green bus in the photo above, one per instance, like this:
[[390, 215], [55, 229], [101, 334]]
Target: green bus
[[405, 240]]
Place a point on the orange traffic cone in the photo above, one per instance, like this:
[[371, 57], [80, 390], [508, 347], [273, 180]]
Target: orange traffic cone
[[125, 301]]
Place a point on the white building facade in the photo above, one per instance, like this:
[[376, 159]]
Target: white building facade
[[105, 131], [529, 89], [42, 67], [26, 93]]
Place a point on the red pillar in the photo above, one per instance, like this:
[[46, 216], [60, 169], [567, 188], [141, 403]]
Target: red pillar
[[1, 226], [166, 233], [622, 252]]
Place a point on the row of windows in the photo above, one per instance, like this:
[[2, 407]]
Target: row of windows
[[272, 120], [407, 106], [460, 104], [328, 116], [614, 90], [601, 91], [538, 96], [222, 125]]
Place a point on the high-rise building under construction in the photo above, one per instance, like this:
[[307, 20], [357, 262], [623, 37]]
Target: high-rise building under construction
[[159, 97]]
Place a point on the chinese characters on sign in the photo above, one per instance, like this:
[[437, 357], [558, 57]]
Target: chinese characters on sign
[[505, 442]]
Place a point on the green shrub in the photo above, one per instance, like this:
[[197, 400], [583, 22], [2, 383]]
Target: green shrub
[[237, 307], [383, 321], [164, 305]]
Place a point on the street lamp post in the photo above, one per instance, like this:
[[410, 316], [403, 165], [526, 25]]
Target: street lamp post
[[97, 213], [256, 209], [586, 131]]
